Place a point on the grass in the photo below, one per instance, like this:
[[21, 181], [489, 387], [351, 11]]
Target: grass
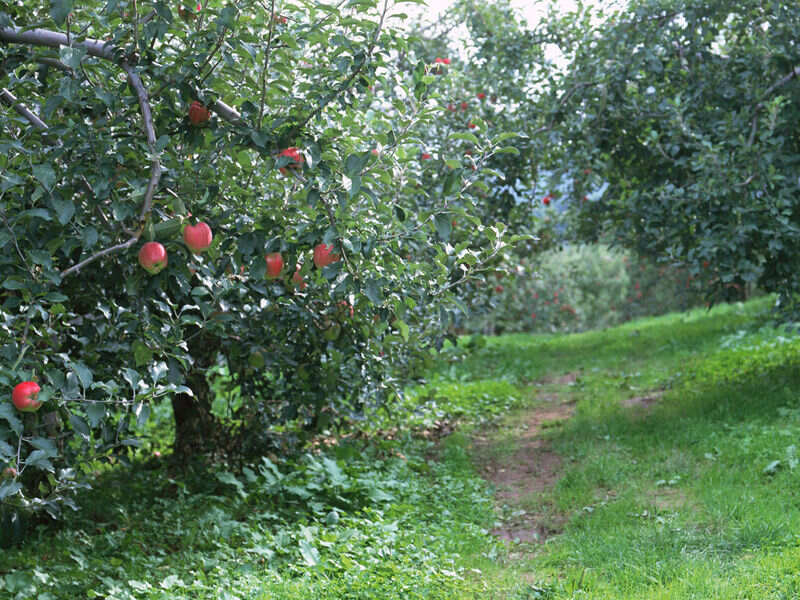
[[692, 495]]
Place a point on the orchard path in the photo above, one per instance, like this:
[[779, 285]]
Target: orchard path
[[518, 461]]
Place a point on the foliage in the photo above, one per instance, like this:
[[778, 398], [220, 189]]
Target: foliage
[[685, 110], [582, 287], [352, 522], [99, 154]]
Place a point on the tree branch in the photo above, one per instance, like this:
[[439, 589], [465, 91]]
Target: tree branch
[[22, 109], [53, 39]]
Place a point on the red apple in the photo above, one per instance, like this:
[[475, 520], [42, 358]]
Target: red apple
[[481, 95], [296, 158], [298, 279], [153, 257], [198, 114], [425, 156], [274, 265], [24, 396], [9, 472], [197, 237], [323, 255]]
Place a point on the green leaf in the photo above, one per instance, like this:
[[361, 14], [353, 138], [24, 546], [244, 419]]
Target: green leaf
[[9, 413], [9, 488], [59, 10], [72, 56], [45, 175], [507, 135], [65, 209], [84, 374], [141, 353], [463, 135], [309, 553], [373, 291], [355, 163], [444, 226], [79, 425], [507, 150], [403, 328], [95, 411]]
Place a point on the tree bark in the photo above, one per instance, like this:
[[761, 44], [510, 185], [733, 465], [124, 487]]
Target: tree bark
[[197, 431]]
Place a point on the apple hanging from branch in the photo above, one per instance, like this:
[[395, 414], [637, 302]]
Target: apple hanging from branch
[[198, 114], [323, 255], [274, 265], [153, 257], [24, 396], [197, 237]]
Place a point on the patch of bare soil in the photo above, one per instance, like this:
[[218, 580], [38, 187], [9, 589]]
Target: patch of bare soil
[[643, 402], [566, 379], [531, 468]]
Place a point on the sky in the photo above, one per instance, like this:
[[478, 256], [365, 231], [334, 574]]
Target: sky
[[532, 10]]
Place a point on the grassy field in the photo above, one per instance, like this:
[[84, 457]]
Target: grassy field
[[675, 479]]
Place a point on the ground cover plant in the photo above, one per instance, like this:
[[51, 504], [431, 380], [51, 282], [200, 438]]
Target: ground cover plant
[[677, 465]]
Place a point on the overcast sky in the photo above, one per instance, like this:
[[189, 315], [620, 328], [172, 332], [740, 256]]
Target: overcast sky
[[532, 10]]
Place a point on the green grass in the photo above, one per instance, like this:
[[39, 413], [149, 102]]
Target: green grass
[[695, 496]]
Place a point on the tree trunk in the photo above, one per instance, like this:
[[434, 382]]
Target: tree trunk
[[197, 431]]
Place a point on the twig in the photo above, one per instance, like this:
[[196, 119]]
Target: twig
[[265, 69], [123, 246]]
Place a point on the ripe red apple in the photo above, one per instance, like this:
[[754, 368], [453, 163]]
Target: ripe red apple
[[298, 280], [198, 114], [546, 200], [323, 255], [9, 472], [297, 159], [153, 257], [425, 156], [274, 265], [498, 289], [464, 106], [481, 95], [24, 396], [472, 126], [197, 237]]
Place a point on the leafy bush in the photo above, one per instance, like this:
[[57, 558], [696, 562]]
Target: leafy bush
[[581, 287]]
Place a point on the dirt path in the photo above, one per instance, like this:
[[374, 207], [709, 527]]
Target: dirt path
[[518, 461]]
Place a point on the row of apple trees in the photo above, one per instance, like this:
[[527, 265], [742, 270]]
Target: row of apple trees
[[288, 128], [687, 111]]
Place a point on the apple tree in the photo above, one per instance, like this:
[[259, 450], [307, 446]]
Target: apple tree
[[289, 130], [676, 118]]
